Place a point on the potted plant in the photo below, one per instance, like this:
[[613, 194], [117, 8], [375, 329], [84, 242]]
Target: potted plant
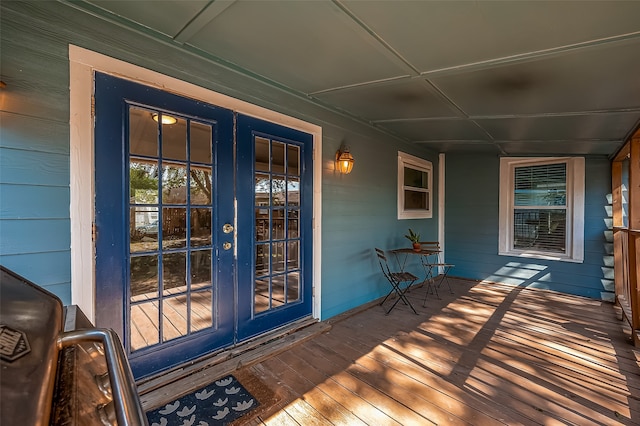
[[414, 237]]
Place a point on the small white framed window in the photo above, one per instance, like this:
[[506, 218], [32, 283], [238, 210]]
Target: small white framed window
[[542, 208], [415, 179]]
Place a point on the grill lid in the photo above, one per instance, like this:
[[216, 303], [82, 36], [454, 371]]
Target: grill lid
[[31, 319]]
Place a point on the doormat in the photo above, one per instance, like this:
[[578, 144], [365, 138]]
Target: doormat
[[219, 403]]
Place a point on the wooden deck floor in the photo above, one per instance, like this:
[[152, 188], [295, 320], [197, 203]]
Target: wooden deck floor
[[490, 354]]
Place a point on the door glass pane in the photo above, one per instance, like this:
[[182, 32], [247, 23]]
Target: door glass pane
[[143, 181], [262, 154], [174, 317], [278, 228], [277, 157], [263, 189], [174, 227], [262, 225], [174, 269], [261, 299], [293, 255], [293, 287], [279, 192], [143, 133], [293, 160], [174, 139], [144, 325], [262, 260], [144, 278], [277, 291], [200, 269], [174, 183], [143, 229], [200, 142], [293, 226], [200, 185], [201, 317], [277, 257], [293, 191], [200, 227]]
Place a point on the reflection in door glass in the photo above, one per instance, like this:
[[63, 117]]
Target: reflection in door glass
[[145, 318], [200, 269], [174, 228], [174, 139], [293, 160], [143, 133], [171, 274], [200, 185], [263, 154], [277, 228], [174, 183], [174, 318], [200, 227], [144, 277], [143, 181], [143, 229], [277, 157], [200, 143], [201, 303], [174, 268]]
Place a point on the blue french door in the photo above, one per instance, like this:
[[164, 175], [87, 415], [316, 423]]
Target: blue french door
[[274, 169], [174, 277]]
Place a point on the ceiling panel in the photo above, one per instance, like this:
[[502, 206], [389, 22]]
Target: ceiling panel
[[511, 77], [558, 148], [575, 81], [307, 46], [166, 17], [614, 126], [406, 98], [441, 34], [437, 130]]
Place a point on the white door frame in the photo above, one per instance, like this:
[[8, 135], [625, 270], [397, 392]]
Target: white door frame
[[82, 65]]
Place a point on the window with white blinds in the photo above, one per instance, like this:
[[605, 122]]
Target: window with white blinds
[[542, 208]]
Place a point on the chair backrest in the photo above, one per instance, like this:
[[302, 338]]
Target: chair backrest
[[382, 259], [430, 246], [433, 246]]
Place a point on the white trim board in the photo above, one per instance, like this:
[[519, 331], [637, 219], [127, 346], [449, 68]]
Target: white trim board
[[82, 65]]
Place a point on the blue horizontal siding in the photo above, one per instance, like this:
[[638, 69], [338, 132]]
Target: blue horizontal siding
[[34, 236], [472, 231], [34, 202], [33, 168], [44, 135]]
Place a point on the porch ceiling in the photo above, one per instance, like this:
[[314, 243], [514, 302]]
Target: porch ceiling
[[512, 78]]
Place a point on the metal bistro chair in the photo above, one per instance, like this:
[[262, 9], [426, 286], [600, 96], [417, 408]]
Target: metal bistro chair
[[433, 279], [396, 279]]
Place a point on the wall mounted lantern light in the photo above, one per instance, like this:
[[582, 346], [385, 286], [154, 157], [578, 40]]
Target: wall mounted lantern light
[[344, 161], [166, 119]]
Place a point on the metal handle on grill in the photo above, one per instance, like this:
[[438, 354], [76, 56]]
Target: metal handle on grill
[[128, 409]]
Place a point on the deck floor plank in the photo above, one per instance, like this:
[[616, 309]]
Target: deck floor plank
[[490, 354]]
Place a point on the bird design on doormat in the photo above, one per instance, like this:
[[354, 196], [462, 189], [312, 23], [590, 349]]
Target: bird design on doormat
[[218, 403]]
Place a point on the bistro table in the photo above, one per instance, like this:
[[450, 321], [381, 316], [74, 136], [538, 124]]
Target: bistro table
[[428, 260]]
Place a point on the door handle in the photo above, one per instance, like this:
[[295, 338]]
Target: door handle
[[227, 228]]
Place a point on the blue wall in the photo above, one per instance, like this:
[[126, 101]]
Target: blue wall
[[471, 218], [358, 210]]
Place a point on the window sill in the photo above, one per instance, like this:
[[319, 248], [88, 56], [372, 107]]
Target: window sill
[[542, 256]]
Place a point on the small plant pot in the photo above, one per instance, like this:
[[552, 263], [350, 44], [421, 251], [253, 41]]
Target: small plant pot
[[417, 247]]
